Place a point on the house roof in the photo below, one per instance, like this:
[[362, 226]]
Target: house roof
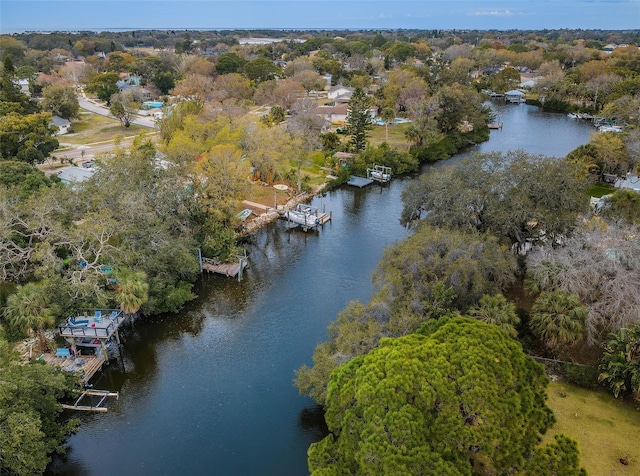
[[338, 87], [632, 182], [75, 174], [514, 92], [59, 121]]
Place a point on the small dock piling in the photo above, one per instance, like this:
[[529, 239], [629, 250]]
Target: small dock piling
[[97, 408], [229, 269]]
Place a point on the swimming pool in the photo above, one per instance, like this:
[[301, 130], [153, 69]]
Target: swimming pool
[[152, 104], [398, 120]]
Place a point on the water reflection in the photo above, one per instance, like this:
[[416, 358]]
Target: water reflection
[[312, 423]]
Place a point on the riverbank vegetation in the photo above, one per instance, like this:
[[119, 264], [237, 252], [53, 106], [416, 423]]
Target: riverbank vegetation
[[245, 116]]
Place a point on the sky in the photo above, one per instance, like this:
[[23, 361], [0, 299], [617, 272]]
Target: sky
[[64, 15]]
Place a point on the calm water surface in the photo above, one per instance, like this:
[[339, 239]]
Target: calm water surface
[[209, 390]]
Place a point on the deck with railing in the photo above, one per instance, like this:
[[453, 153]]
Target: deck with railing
[[100, 323]]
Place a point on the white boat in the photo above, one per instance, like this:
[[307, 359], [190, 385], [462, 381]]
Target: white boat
[[574, 115], [610, 129], [306, 220], [377, 174]]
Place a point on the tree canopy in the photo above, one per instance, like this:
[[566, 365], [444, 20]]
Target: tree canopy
[[460, 397], [27, 138], [30, 424], [61, 101], [517, 196]]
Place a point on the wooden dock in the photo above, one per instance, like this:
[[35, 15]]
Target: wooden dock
[[230, 270], [85, 365], [359, 181], [324, 217], [256, 206]]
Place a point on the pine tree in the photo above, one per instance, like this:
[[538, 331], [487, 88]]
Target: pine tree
[[358, 119]]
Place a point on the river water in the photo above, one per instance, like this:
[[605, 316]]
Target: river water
[[210, 390]]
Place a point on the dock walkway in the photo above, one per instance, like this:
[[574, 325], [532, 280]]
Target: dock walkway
[[359, 181], [256, 206], [230, 270], [86, 365]]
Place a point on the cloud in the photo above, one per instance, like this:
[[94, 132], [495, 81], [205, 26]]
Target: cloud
[[493, 13]]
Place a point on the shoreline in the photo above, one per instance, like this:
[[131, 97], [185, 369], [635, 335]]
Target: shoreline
[[272, 215]]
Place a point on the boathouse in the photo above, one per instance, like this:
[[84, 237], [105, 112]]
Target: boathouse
[[514, 96]]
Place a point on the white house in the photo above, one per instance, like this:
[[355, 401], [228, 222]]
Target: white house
[[23, 84], [340, 93], [528, 84], [63, 125]]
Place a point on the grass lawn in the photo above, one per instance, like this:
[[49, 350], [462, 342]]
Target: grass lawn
[[94, 128], [601, 189], [396, 136], [606, 429]]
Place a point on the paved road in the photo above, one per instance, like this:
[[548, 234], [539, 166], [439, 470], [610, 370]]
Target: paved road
[[92, 106], [88, 151], [81, 153]]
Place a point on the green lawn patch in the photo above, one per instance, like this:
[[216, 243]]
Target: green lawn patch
[[606, 429], [600, 189], [94, 128], [397, 138]]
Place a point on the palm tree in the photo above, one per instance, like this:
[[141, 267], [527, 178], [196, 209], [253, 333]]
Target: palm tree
[[387, 115], [558, 318], [132, 290], [28, 309], [498, 311], [620, 363]]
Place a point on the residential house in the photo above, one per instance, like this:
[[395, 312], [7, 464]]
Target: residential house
[[63, 125], [335, 114], [75, 175], [23, 84], [340, 93], [338, 114], [530, 83]]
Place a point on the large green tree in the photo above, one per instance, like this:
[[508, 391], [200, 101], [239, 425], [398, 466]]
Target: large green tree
[[61, 101], [519, 197], [358, 119], [103, 85], [12, 99], [261, 69], [27, 138], [132, 290], [459, 398], [30, 425], [23, 179]]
